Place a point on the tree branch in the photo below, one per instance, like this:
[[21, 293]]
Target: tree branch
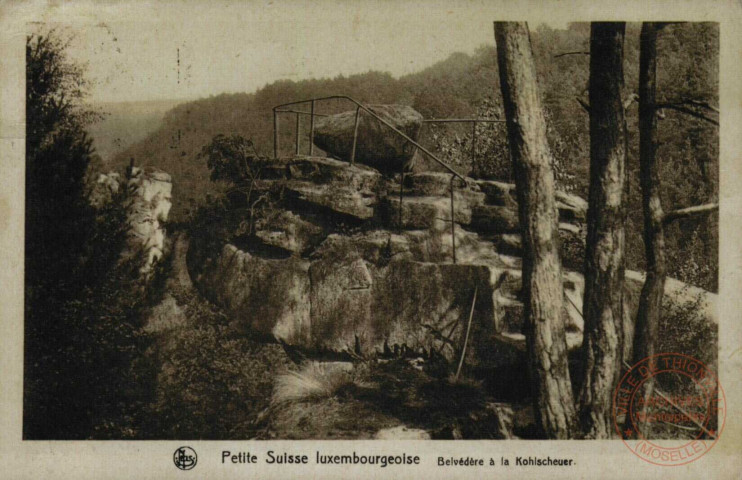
[[661, 25], [629, 100], [583, 104], [571, 53], [679, 108], [697, 103], [690, 211]]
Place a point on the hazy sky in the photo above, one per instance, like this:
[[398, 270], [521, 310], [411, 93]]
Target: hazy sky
[[132, 49]]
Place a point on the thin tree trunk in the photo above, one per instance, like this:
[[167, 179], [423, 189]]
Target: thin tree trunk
[[604, 256], [542, 277], [650, 302]]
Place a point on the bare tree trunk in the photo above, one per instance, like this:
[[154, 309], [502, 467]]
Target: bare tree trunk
[[542, 277], [604, 256], [650, 302]]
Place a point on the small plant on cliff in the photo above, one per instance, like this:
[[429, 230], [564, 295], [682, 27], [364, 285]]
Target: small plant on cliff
[[234, 160], [231, 158]]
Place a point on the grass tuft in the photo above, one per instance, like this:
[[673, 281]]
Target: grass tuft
[[314, 381]]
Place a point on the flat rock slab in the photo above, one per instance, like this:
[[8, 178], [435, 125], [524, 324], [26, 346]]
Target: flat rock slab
[[571, 207], [419, 213], [334, 198], [493, 219], [289, 232], [312, 168]]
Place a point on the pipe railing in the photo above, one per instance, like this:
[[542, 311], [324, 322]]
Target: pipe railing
[[362, 108], [473, 122]]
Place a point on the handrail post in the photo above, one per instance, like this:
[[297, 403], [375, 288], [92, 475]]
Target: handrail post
[[453, 223], [311, 131], [275, 134], [473, 141], [401, 194], [419, 140], [297, 133], [355, 136]]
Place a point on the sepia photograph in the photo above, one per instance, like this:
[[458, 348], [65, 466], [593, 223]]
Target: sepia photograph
[[258, 222]]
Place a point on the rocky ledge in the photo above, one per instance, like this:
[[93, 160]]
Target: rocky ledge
[[346, 264]]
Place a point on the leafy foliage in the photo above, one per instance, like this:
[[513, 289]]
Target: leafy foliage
[[82, 350], [683, 329], [81, 319], [482, 150], [57, 155], [214, 386], [229, 158]]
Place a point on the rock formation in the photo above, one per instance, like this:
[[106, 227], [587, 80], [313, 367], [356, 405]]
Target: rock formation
[[148, 205], [360, 273], [147, 201], [377, 145], [105, 188]]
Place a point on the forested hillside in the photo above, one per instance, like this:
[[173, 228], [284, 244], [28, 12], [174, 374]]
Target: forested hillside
[[465, 86], [126, 123]]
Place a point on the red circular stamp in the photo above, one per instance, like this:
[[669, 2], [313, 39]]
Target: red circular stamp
[[669, 409]]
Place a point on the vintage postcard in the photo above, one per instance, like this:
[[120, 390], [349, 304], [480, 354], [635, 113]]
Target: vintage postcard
[[370, 239]]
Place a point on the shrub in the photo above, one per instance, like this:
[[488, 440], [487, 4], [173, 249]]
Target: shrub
[[213, 385], [684, 330]]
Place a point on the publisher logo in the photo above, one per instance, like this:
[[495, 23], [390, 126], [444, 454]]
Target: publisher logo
[[185, 458]]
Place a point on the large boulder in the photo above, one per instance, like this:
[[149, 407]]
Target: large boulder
[[377, 145], [344, 303]]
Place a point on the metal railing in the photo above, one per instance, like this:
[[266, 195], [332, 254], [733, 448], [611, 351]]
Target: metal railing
[[473, 121], [362, 108]]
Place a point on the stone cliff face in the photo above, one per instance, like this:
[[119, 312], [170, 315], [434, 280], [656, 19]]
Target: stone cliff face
[[349, 270], [148, 205], [147, 201]]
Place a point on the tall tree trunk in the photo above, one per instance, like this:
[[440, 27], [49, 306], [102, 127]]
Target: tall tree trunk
[[542, 276], [650, 302], [604, 256]]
